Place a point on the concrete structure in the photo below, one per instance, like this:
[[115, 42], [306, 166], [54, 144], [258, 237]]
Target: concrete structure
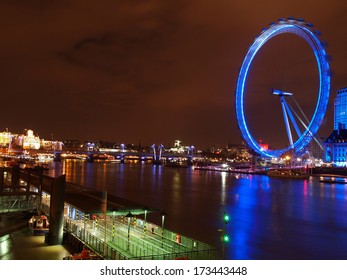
[[56, 215]]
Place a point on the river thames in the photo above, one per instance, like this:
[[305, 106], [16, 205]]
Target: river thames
[[270, 218]]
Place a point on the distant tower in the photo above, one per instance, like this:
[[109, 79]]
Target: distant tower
[[178, 143], [340, 109]]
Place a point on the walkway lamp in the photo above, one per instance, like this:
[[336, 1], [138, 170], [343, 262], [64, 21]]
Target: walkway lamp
[[85, 220], [113, 222], [129, 216], [145, 222], [163, 214]]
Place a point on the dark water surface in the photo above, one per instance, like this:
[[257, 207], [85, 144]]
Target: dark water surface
[[270, 218]]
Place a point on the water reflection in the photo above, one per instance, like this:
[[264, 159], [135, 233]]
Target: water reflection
[[269, 218], [223, 187]]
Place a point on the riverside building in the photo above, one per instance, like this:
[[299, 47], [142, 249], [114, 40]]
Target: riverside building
[[336, 144]]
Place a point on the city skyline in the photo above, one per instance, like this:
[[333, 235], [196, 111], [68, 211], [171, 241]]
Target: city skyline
[[7, 137], [153, 72]]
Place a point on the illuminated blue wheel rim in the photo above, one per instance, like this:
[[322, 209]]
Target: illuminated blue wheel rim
[[305, 31]]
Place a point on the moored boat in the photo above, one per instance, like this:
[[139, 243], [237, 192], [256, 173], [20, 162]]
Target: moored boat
[[39, 224], [288, 173], [334, 180]]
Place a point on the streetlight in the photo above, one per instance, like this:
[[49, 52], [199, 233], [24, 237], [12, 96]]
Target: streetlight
[[145, 222], [129, 216], [163, 214], [104, 206], [113, 222], [85, 219]]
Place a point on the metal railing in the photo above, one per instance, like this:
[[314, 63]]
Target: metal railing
[[118, 239], [13, 203], [136, 245]]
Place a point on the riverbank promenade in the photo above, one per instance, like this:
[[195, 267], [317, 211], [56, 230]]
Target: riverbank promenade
[[112, 227], [22, 245]]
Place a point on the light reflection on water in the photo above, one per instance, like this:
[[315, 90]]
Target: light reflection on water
[[270, 218]]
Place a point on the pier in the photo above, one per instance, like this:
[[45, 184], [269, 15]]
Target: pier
[[110, 226]]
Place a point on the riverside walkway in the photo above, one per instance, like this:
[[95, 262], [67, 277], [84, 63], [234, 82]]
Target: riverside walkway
[[112, 227], [128, 240]]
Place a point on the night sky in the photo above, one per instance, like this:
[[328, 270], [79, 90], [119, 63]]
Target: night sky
[[156, 71]]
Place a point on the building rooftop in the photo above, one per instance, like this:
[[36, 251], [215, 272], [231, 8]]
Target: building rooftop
[[93, 202], [337, 136]]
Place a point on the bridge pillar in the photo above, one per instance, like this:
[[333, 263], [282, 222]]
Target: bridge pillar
[[190, 161], [142, 157], [56, 216], [15, 175], [39, 172], [2, 179], [27, 187], [122, 160], [156, 160], [57, 157], [90, 157]]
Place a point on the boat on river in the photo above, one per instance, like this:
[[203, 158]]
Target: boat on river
[[39, 224], [333, 180], [288, 173]]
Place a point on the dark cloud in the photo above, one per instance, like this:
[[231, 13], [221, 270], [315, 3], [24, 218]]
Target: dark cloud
[[155, 70]]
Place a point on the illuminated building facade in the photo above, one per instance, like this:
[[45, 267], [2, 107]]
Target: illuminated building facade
[[51, 145], [178, 148], [27, 141], [263, 146], [5, 138], [336, 147], [340, 109], [30, 141], [336, 144], [239, 152]]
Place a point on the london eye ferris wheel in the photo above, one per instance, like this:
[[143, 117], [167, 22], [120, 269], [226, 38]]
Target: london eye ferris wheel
[[304, 128]]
